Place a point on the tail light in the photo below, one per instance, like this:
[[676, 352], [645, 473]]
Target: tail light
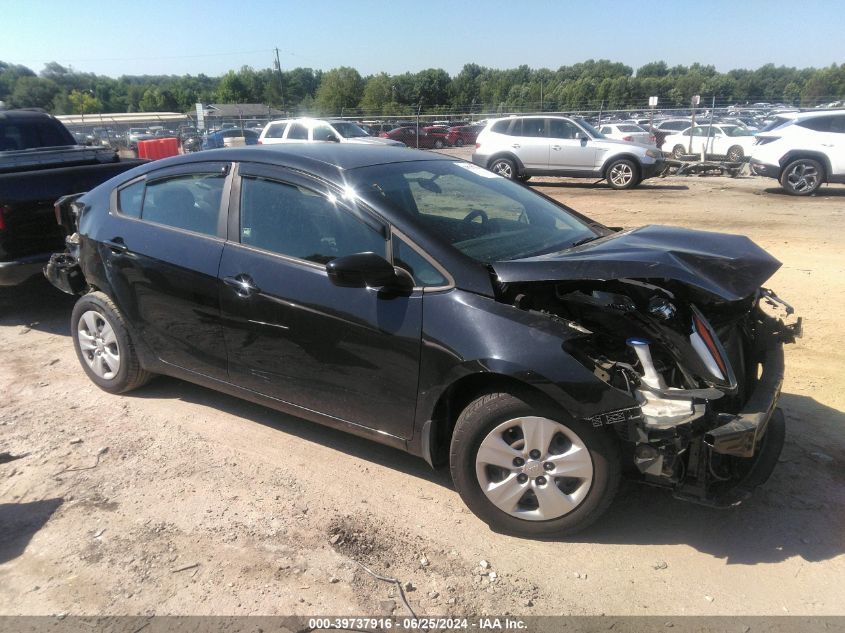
[[652, 139], [477, 145], [628, 138], [3, 210]]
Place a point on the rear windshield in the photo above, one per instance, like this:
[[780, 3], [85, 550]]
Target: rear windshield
[[15, 135]]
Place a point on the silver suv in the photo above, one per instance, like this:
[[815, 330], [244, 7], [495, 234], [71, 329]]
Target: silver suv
[[519, 147]]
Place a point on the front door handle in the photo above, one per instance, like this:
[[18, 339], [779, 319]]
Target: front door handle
[[556, 147], [243, 284], [515, 146], [117, 245]]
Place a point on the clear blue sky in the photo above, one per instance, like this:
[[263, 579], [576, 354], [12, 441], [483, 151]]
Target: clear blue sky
[[212, 36]]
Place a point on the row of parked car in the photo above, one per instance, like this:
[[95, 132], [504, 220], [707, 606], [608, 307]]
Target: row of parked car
[[623, 153], [802, 150]]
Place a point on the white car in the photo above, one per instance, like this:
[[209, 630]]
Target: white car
[[627, 132], [732, 141], [803, 150], [305, 130]]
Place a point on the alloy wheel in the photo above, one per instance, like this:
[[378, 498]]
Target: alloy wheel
[[98, 344], [503, 168], [803, 177], [534, 468], [621, 174]]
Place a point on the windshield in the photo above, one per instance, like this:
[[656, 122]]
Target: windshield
[[593, 131], [737, 130], [348, 130], [484, 216]]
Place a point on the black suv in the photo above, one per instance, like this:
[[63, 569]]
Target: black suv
[[428, 304]]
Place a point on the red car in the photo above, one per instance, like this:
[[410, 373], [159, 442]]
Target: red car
[[463, 134], [431, 137]]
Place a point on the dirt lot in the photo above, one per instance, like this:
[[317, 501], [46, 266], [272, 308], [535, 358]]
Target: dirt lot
[[203, 504]]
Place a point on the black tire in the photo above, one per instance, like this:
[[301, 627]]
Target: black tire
[[459, 142], [802, 177], [438, 144], [623, 174], [679, 151], [504, 167], [736, 154], [479, 420], [524, 178], [130, 374]]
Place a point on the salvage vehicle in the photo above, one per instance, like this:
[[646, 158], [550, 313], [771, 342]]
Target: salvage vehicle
[[39, 162], [520, 147], [431, 305]]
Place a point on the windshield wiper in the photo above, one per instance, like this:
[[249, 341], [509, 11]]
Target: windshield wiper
[[585, 240]]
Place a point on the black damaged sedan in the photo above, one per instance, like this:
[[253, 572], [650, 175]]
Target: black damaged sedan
[[428, 304]]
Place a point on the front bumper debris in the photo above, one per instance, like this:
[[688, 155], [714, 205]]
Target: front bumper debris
[[740, 434]]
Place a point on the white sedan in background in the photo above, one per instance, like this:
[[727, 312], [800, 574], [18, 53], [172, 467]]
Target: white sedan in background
[[627, 132], [732, 141]]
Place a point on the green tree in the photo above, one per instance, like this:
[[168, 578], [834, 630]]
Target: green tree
[[33, 92], [83, 102], [340, 88]]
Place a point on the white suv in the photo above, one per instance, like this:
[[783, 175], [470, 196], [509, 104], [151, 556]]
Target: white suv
[[802, 150], [519, 147], [306, 130]]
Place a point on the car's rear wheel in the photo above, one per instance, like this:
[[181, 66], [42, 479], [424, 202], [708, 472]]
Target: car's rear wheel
[[530, 472], [802, 177], [438, 144], [504, 167], [679, 151], [736, 154], [459, 142], [622, 174], [103, 345]]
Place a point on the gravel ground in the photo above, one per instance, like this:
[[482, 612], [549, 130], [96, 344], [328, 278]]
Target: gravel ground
[[180, 500]]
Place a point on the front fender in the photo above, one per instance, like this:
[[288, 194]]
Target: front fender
[[465, 334]]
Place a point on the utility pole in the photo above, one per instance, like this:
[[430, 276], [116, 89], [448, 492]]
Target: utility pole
[[281, 83]]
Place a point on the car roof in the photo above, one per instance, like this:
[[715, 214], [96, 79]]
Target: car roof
[[318, 158], [25, 114], [807, 115]]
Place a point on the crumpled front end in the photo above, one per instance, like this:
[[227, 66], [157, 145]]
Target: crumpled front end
[[706, 372]]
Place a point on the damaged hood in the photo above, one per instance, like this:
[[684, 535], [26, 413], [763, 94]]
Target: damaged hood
[[729, 266]]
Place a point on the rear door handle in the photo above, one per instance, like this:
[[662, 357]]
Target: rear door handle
[[243, 284], [117, 245], [556, 147], [515, 146]]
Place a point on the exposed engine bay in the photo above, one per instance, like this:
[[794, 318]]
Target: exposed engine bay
[[704, 371]]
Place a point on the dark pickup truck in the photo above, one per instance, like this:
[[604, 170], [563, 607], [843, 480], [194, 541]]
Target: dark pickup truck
[[40, 162]]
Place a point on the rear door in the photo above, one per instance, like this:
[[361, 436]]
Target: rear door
[[161, 248], [349, 353], [530, 142]]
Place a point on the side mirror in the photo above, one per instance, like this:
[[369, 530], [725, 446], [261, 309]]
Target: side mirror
[[332, 138], [367, 270], [583, 139]]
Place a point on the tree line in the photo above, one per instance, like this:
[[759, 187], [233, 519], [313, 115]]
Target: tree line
[[588, 85]]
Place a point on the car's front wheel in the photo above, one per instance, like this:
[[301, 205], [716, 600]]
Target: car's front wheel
[[103, 345], [438, 144], [802, 177], [622, 174], [529, 472], [504, 167]]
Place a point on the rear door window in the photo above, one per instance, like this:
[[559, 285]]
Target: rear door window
[[298, 132], [189, 202]]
